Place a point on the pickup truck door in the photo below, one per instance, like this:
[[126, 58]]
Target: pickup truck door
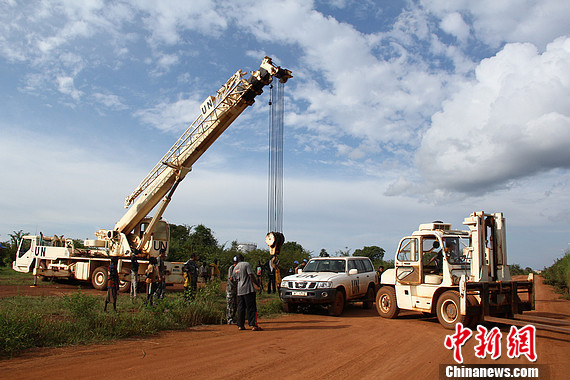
[[366, 275], [354, 280]]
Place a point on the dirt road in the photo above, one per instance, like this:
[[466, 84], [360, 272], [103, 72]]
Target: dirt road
[[359, 344]]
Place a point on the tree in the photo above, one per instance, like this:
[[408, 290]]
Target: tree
[[373, 252], [8, 254], [343, 252], [203, 237]]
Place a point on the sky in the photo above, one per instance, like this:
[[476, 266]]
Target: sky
[[398, 113]]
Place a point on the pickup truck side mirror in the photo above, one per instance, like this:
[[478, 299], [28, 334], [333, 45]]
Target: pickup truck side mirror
[[299, 271], [353, 271]]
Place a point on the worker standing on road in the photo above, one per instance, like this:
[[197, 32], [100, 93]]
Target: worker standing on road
[[112, 283], [134, 274], [275, 263], [271, 278], [151, 279], [243, 273], [231, 295]]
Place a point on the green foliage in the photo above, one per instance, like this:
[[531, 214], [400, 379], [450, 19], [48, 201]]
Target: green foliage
[[79, 318], [343, 252], [517, 270], [8, 254], [185, 240], [558, 274], [291, 251], [374, 252], [269, 305]]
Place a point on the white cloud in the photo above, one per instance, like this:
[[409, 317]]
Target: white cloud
[[66, 86], [495, 22], [348, 86], [60, 184], [165, 20], [513, 121], [454, 24], [110, 101], [175, 116]]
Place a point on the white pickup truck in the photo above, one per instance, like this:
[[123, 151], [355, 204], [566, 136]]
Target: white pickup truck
[[331, 281]]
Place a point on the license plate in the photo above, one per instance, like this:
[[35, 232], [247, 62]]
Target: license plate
[[299, 294]]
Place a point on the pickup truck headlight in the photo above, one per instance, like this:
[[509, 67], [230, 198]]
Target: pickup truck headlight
[[284, 284], [324, 284]]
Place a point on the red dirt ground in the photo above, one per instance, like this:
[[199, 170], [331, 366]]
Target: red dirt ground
[[359, 344]]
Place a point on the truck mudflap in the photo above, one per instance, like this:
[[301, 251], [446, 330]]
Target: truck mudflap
[[497, 298]]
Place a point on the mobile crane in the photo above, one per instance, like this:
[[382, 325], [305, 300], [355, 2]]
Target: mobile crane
[[58, 257]]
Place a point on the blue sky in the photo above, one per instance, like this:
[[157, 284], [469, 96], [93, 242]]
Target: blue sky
[[399, 113]]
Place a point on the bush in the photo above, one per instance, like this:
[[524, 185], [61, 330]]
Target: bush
[[558, 275], [78, 318]]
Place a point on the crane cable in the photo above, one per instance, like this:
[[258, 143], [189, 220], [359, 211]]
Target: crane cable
[[275, 186]]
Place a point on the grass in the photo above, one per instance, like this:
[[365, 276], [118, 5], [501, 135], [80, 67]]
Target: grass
[[78, 318], [558, 275], [8, 276]]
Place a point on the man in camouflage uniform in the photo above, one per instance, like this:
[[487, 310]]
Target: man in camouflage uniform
[[190, 272], [231, 296]]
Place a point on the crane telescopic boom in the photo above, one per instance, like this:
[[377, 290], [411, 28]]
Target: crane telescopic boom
[[216, 114]]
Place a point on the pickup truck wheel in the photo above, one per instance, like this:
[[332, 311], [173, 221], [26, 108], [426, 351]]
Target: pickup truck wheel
[[290, 307], [336, 308], [386, 304], [99, 278], [448, 310], [368, 299]]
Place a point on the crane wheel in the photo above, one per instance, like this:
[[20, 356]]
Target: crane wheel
[[99, 278], [386, 304]]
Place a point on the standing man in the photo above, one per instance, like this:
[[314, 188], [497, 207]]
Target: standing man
[[243, 273], [112, 283], [259, 273], [134, 274], [204, 272], [215, 269], [271, 278], [231, 295], [275, 262], [190, 271], [301, 266], [161, 289], [380, 271], [151, 279]]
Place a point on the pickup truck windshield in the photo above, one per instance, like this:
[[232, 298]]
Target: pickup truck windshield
[[332, 265]]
